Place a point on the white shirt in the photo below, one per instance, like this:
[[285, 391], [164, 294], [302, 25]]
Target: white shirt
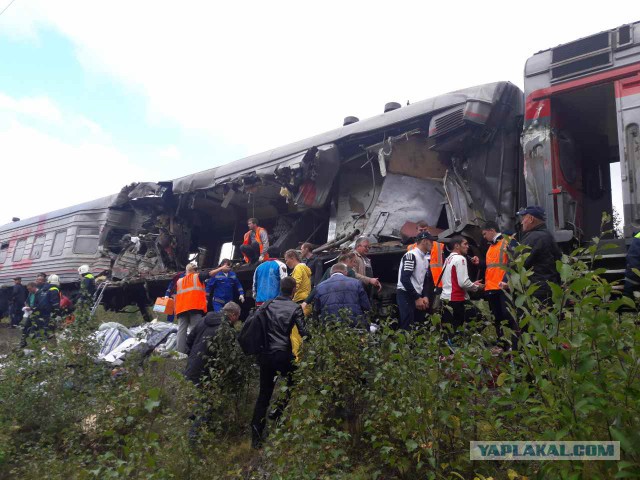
[[416, 262], [455, 288]]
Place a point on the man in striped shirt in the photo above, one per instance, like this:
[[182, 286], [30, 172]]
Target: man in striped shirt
[[414, 282]]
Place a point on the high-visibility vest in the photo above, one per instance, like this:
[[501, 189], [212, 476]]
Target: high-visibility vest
[[247, 241], [436, 261], [190, 294], [497, 261]]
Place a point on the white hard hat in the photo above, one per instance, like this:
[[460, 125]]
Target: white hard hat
[[83, 269], [54, 280]]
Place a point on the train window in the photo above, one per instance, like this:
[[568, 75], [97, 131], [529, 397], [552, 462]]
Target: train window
[[18, 250], [4, 250], [58, 243], [86, 240], [36, 249]]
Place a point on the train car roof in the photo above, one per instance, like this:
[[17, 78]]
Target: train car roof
[[270, 159], [103, 202]]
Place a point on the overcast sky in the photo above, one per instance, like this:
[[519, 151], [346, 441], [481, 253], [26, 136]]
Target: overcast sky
[[95, 95]]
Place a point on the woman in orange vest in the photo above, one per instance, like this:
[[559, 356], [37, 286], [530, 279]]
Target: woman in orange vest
[[191, 302], [256, 242], [494, 278]]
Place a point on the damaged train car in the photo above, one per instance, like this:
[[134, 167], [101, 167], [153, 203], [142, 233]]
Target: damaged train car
[[452, 160]]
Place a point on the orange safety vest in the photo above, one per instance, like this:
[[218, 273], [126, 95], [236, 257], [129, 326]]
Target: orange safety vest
[[190, 294], [247, 239], [497, 261], [411, 247], [436, 261]]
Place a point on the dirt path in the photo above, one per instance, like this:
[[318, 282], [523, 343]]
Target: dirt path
[[9, 338]]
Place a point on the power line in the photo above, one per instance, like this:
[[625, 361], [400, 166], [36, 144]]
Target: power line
[[5, 8]]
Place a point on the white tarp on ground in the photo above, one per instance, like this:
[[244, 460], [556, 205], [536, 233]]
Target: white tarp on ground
[[116, 340]]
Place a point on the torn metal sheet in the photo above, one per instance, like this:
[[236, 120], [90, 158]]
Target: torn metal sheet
[[404, 198]]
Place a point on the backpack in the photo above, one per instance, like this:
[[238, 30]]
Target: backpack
[[253, 336]]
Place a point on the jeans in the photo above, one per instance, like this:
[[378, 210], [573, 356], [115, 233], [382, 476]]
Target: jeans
[[271, 364], [409, 314], [186, 321]]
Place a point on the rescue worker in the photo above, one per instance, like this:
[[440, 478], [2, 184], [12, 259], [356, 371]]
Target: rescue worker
[[421, 226], [18, 298], [266, 278], [497, 262], [190, 302], [283, 313], [256, 242], [543, 253], [46, 304], [224, 287], [87, 287], [41, 279], [313, 262], [414, 282], [456, 284], [631, 280]]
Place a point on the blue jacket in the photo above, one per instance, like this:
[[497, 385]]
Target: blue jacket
[[340, 292], [266, 280], [47, 301], [224, 287]]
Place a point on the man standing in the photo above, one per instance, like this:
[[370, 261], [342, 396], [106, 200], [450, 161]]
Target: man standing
[[256, 242], [313, 262], [18, 299], [224, 287], [46, 303], [497, 262], [190, 302], [456, 284], [543, 253], [87, 286], [340, 292], [414, 282], [421, 226], [362, 265], [213, 334], [282, 313], [301, 273], [266, 278], [41, 280]]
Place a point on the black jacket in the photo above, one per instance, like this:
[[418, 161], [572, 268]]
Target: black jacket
[[633, 260], [18, 297], [283, 314], [542, 258], [316, 266], [198, 345]]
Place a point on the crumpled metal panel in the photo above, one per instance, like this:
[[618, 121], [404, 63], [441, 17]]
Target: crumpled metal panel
[[404, 198]]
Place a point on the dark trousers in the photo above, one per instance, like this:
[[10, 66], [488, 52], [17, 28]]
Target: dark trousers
[[271, 364], [252, 251], [16, 317], [499, 306], [457, 313], [409, 314], [36, 327]]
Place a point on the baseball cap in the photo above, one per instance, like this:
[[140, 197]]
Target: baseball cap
[[423, 235], [533, 210]]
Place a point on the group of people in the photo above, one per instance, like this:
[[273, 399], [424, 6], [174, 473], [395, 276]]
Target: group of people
[[36, 306]]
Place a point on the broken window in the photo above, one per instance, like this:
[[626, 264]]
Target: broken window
[[18, 251], [36, 249], [4, 250], [58, 243], [86, 240]]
